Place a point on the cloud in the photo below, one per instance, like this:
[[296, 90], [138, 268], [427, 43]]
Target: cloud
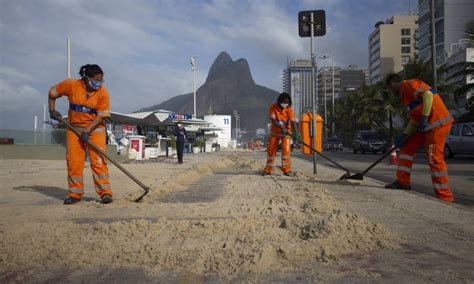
[[144, 46]]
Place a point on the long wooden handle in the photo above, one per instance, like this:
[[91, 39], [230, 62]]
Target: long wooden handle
[[101, 152], [378, 160], [324, 156]]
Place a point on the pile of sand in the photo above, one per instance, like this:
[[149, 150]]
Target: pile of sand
[[260, 224]]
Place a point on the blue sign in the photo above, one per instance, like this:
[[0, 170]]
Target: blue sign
[[180, 116]]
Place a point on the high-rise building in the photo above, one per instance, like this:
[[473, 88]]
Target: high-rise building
[[460, 55], [451, 17], [297, 82], [391, 46], [352, 78]]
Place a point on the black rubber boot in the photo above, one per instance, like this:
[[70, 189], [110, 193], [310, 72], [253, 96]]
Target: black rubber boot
[[264, 173], [106, 198], [397, 185], [71, 200], [289, 174]]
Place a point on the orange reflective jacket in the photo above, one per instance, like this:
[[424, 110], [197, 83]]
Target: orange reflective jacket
[[84, 107], [282, 116], [411, 92]]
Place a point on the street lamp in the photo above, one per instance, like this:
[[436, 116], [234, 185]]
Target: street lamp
[[193, 67], [333, 131], [324, 57]]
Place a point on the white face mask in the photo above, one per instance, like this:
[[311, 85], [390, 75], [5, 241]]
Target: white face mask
[[284, 105], [180, 125]]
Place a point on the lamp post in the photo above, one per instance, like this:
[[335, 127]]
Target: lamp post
[[333, 130], [324, 57], [193, 67]]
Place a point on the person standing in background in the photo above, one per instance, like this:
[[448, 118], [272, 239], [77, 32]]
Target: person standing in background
[[181, 136]]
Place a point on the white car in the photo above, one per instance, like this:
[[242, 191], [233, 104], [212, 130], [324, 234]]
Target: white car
[[460, 140]]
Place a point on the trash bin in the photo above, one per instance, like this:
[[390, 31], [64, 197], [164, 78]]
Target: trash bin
[[306, 129], [137, 142]]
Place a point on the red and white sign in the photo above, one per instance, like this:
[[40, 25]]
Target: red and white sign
[[127, 129]]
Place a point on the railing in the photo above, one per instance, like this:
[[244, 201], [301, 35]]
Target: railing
[[32, 137]]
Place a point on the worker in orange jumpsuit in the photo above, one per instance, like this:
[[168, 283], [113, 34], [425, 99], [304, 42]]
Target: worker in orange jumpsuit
[[429, 124], [283, 121], [88, 106]]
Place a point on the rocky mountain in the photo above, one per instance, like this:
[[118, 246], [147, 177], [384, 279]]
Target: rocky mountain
[[229, 86]]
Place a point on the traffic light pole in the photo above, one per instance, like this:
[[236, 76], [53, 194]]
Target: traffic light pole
[[313, 95]]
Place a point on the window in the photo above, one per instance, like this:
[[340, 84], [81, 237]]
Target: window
[[405, 49], [406, 32], [466, 130], [405, 60], [405, 40], [455, 130]]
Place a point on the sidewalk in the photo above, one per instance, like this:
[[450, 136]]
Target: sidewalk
[[216, 219]]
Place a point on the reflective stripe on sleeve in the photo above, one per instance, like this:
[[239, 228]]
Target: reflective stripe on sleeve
[[55, 93], [420, 90]]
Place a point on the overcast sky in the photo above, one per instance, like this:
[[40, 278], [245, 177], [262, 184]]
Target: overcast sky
[[144, 46]]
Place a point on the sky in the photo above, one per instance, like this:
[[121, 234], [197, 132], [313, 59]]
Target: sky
[[144, 46]]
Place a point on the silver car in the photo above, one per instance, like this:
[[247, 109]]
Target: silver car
[[460, 140]]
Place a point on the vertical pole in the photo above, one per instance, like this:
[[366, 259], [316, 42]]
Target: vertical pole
[[36, 122], [433, 45], [44, 117], [313, 96], [325, 101], [194, 89], [391, 124], [333, 131], [69, 57]]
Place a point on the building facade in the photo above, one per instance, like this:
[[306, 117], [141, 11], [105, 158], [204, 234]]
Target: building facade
[[451, 17], [224, 124], [297, 83], [391, 46]]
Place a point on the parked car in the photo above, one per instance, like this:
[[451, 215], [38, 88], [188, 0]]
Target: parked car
[[460, 140], [368, 141], [333, 144]]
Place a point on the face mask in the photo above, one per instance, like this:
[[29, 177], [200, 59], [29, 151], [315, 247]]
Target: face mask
[[180, 125], [284, 105], [95, 85]]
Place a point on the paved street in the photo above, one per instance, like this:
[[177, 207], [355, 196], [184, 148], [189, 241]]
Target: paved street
[[461, 172]]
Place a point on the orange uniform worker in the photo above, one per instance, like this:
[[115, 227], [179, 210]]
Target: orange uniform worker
[[430, 123], [283, 118], [88, 106]]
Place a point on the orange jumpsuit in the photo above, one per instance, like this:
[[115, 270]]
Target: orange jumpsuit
[[284, 117], [84, 107], [439, 124]]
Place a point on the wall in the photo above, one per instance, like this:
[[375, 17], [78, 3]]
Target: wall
[[47, 152], [224, 122]]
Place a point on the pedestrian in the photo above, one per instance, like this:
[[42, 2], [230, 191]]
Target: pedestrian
[[283, 124], [88, 106], [181, 137], [429, 124]]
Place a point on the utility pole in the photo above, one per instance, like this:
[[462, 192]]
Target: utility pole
[[433, 45], [324, 57], [193, 68], [333, 131], [313, 95], [311, 24], [68, 57]]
